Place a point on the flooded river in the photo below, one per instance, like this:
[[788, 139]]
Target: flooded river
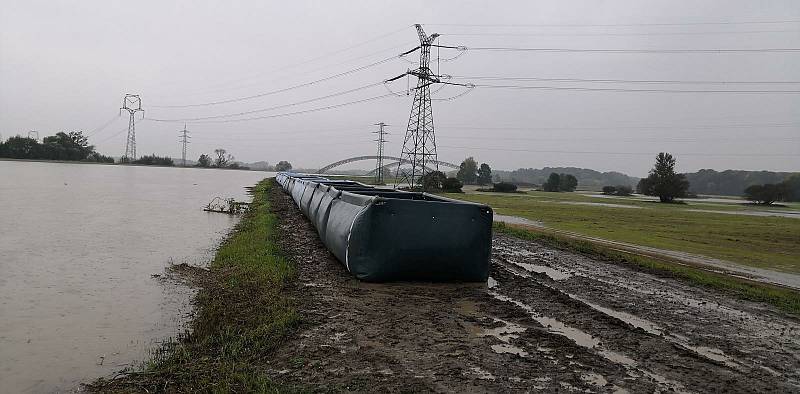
[[82, 252]]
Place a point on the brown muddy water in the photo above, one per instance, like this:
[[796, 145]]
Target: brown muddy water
[[83, 249]]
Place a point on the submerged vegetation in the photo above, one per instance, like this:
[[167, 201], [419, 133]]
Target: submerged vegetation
[[242, 315], [785, 299], [153, 160]]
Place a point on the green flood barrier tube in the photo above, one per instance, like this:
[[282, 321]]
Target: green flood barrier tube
[[383, 235]]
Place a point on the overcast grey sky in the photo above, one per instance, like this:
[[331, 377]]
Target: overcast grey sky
[[67, 65]]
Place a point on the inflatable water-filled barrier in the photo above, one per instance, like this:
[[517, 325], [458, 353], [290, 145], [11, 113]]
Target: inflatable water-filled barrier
[[385, 235]]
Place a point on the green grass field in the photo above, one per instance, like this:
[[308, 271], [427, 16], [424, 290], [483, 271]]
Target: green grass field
[[764, 242]]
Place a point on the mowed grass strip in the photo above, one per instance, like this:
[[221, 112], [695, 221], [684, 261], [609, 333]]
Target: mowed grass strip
[[785, 299], [242, 315], [764, 242]]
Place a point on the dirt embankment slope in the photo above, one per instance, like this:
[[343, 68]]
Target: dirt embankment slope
[[547, 320]]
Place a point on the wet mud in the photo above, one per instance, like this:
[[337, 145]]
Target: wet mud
[[546, 320]]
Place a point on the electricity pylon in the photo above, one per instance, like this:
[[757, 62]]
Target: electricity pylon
[[379, 162], [419, 145], [184, 139], [35, 133], [133, 104]]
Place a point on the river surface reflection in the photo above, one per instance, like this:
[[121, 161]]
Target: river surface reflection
[[82, 248]]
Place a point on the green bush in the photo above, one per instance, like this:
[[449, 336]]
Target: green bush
[[504, 187]]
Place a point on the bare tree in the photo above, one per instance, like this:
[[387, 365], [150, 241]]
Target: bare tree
[[222, 159]]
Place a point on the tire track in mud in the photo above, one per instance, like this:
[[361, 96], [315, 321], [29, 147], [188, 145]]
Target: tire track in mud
[[641, 354], [421, 337], [701, 337]]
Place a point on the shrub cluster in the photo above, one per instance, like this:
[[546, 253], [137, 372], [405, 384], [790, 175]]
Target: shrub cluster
[[619, 190]]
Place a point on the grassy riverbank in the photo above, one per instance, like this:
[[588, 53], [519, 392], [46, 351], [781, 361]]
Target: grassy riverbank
[[696, 227], [784, 299], [242, 315]]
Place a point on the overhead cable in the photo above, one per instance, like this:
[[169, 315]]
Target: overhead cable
[[619, 24], [270, 108], [588, 89], [605, 80], [621, 50], [238, 99], [283, 114]]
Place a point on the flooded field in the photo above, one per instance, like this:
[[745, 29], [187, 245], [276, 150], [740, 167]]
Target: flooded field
[[83, 250]]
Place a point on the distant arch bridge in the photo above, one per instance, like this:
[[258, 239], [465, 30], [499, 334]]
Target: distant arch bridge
[[396, 159]]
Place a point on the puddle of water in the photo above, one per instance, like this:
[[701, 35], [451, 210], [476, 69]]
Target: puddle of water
[[579, 337], [505, 348], [482, 373], [552, 273], [646, 325], [594, 378], [713, 354], [635, 321], [587, 341], [770, 370], [654, 329], [618, 358], [505, 334]]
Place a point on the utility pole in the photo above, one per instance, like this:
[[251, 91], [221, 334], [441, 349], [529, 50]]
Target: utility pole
[[419, 145], [133, 104], [184, 139], [379, 162]]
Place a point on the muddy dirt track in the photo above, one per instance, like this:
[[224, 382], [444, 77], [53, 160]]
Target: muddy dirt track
[[547, 320]]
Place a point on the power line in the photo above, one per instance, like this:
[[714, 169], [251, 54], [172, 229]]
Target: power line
[[293, 65], [618, 34], [654, 81], [270, 108], [609, 50], [586, 89], [721, 126], [233, 100], [116, 134], [356, 135], [288, 113], [103, 126], [619, 24]]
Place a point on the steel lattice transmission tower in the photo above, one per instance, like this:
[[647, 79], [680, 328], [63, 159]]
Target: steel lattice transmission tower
[[419, 144], [379, 162], [133, 104], [184, 139]]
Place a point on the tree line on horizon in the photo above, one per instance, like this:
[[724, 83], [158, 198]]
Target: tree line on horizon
[[70, 146]]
